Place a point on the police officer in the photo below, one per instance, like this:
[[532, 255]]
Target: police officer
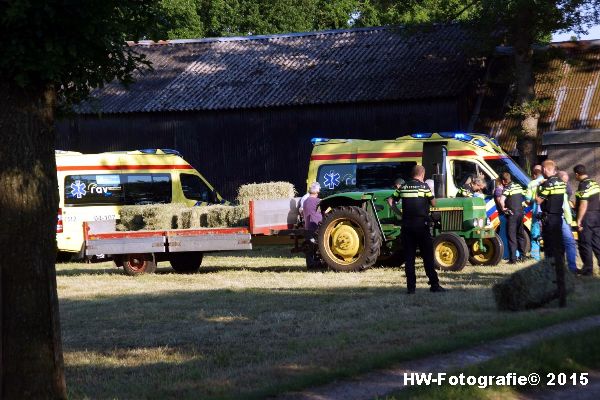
[[416, 198], [475, 185], [587, 206], [512, 206], [467, 190], [551, 196]]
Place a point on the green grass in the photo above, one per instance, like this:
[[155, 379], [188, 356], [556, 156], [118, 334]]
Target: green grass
[[253, 324], [573, 353]]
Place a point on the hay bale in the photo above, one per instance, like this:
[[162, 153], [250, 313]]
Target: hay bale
[[225, 216], [131, 218], [265, 191], [121, 228], [530, 287], [151, 216]]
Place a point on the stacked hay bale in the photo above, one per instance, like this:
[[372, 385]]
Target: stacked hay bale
[[213, 217], [265, 191], [150, 217], [530, 287], [179, 216]]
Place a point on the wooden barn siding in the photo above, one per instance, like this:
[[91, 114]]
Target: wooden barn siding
[[568, 156], [234, 147]]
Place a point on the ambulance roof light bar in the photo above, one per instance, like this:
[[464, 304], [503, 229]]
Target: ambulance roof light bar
[[319, 140], [164, 151]]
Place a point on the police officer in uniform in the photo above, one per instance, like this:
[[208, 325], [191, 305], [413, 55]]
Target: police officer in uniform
[[587, 206], [466, 190], [551, 196], [416, 198], [512, 205]]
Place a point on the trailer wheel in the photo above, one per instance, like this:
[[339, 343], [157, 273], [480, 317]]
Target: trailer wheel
[[349, 239], [494, 250], [186, 263], [136, 264], [450, 252]]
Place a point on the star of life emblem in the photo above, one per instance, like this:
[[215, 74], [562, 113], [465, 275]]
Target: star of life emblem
[[332, 179], [78, 189]]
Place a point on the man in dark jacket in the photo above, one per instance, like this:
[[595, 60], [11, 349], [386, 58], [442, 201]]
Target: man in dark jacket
[[416, 198]]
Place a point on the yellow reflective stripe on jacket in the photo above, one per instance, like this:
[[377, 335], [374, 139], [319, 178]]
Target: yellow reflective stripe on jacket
[[557, 188], [425, 192], [592, 189], [513, 191], [464, 192], [419, 193]]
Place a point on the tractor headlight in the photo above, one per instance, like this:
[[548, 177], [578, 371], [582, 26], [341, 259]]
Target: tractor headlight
[[478, 223]]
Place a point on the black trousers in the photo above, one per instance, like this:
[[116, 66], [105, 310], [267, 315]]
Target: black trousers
[[516, 235], [418, 235], [552, 235], [589, 241]]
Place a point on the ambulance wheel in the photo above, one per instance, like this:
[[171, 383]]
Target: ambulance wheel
[[450, 252], [349, 239], [136, 264], [494, 250], [186, 263], [527, 243]]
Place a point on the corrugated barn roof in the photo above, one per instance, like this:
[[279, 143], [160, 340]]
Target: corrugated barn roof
[[356, 65], [568, 81]]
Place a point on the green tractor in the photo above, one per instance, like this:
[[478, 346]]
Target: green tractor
[[360, 229]]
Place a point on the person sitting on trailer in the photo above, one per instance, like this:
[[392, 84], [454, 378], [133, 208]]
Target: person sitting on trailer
[[312, 219], [312, 214]]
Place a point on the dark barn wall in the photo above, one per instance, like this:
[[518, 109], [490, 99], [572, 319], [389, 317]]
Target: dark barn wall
[[234, 147]]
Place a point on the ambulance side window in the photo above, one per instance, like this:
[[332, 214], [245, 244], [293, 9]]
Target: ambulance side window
[[382, 175], [146, 188], [117, 189], [336, 178], [464, 171], [194, 188]]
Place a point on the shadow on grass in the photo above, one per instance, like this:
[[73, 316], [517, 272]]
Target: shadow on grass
[[232, 343], [89, 269]]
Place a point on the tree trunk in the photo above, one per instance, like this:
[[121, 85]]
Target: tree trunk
[[527, 137], [31, 350]]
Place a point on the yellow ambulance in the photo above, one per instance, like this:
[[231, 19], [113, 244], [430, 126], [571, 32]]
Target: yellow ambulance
[[93, 187], [362, 165]]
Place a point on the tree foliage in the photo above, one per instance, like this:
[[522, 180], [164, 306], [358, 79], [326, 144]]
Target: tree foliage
[[211, 18], [73, 45]]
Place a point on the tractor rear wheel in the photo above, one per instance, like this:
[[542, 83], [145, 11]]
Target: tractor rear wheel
[[349, 239], [494, 250], [450, 252]]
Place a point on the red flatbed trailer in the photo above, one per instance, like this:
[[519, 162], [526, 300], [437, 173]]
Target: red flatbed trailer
[[136, 250]]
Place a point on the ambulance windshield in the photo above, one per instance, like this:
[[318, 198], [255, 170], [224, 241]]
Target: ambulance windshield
[[507, 164]]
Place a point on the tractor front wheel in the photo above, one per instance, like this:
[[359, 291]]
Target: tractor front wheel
[[491, 254], [450, 252], [349, 239]]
